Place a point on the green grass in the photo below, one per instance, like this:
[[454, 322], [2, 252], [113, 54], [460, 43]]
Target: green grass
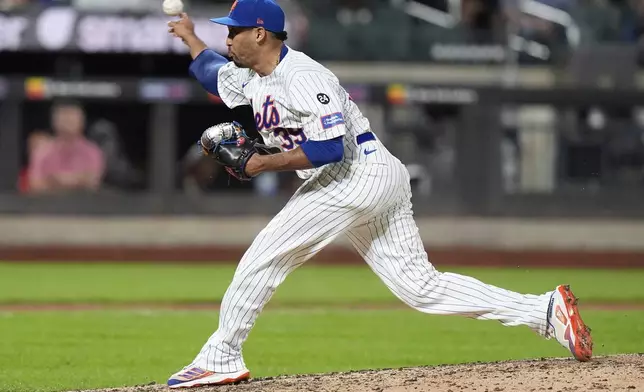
[[53, 351], [64, 351], [99, 283]]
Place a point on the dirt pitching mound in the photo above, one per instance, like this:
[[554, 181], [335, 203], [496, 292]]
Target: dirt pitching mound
[[612, 373]]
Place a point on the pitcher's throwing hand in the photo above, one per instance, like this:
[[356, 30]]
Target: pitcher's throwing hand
[[182, 28]]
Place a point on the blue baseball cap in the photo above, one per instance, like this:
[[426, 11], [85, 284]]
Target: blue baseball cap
[[254, 13]]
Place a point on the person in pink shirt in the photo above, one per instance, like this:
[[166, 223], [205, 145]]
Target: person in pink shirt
[[70, 162]]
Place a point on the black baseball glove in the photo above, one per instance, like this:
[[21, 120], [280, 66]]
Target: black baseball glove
[[229, 145]]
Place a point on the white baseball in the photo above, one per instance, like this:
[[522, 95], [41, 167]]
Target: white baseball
[[172, 7]]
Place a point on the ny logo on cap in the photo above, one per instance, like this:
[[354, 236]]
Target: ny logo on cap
[[233, 6]]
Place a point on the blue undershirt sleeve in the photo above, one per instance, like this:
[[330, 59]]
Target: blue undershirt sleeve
[[205, 68], [323, 152]]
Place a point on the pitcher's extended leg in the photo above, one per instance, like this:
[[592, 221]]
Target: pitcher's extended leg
[[309, 221], [393, 248]]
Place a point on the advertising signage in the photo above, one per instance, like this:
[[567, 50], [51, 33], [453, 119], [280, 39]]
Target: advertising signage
[[57, 29]]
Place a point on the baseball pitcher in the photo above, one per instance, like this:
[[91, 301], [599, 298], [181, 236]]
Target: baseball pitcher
[[353, 186]]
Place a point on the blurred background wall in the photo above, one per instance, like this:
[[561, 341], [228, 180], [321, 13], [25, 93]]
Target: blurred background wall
[[521, 123]]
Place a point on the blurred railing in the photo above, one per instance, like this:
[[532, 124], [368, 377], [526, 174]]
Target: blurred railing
[[472, 150]]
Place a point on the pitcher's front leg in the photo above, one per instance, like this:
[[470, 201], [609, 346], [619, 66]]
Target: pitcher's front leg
[[296, 234]]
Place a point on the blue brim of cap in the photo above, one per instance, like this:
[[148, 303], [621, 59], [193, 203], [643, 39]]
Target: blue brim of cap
[[227, 21]]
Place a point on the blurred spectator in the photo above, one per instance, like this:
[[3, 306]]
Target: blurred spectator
[[70, 162], [37, 140], [120, 173]]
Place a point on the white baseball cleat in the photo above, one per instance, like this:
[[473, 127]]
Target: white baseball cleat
[[566, 325], [196, 377]]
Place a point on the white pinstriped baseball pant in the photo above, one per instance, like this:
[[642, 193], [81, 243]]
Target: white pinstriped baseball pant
[[370, 202]]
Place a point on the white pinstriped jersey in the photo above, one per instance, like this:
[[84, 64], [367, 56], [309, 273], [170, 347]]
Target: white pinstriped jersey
[[366, 197], [300, 100]]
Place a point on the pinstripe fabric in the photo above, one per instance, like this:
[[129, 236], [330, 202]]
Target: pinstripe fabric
[[370, 202], [393, 248], [325, 206], [367, 196], [229, 85], [287, 108]]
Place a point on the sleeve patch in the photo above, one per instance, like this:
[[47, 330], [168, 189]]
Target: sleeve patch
[[331, 120]]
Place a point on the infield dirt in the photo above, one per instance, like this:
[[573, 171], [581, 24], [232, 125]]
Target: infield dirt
[[610, 373]]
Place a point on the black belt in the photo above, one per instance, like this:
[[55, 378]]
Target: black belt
[[365, 137]]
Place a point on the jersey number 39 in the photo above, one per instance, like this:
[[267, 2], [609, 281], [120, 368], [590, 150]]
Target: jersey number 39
[[290, 138]]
